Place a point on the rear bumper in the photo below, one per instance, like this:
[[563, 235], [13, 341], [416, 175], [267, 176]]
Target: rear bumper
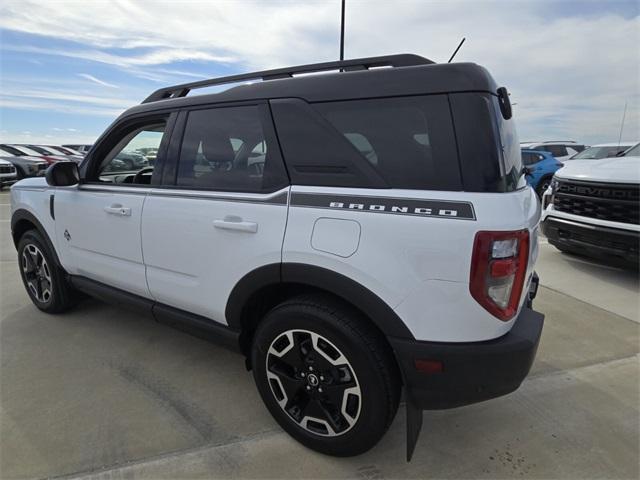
[[471, 372], [590, 239]]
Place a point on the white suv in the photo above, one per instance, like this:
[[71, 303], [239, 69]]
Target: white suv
[[593, 208], [351, 234]]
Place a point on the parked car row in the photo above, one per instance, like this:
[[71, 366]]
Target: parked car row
[[25, 163], [31, 160], [7, 173]]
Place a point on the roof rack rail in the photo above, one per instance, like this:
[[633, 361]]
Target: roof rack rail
[[560, 141], [401, 60]]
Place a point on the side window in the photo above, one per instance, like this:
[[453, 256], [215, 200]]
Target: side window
[[557, 150], [132, 159], [227, 149], [409, 141], [529, 158]]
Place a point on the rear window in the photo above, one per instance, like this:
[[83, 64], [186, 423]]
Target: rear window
[[490, 156]]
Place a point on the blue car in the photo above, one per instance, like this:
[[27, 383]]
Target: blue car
[[542, 166]]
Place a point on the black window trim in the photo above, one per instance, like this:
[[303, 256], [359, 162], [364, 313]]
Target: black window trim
[[114, 134], [170, 173]]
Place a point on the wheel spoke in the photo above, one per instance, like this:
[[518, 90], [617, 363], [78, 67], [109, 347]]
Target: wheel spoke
[[333, 416], [29, 260], [290, 384], [38, 283]]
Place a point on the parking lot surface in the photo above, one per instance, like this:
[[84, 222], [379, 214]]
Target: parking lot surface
[[103, 393]]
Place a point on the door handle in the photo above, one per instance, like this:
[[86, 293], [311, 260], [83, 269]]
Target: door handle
[[232, 222], [117, 209]]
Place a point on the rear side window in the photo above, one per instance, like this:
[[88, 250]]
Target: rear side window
[[228, 149], [401, 142], [409, 141]]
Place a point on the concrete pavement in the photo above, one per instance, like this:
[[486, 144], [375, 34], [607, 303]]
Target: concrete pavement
[[103, 393]]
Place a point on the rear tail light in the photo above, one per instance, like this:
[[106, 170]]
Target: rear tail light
[[498, 270], [49, 160]]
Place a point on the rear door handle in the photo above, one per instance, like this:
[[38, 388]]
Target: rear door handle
[[117, 209], [232, 222]]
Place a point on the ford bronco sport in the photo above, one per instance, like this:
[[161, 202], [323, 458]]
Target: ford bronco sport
[[352, 234]]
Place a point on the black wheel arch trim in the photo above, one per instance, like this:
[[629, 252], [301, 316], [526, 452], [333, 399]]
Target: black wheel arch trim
[[24, 215], [378, 311]]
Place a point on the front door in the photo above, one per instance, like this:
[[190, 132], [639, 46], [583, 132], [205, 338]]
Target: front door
[[222, 215], [98, 221]]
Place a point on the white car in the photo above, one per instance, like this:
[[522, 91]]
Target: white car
[[8, 174], [603, 150], [351, 234], [592, 208], [561, 150]]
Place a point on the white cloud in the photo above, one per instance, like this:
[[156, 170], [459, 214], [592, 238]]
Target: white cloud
[[569, 74], [93, 79]]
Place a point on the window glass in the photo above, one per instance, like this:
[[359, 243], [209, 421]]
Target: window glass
[[594, 153], [132, 159], [42, 150], [556, 150], [633, 152], [529, 158], [22, 150], [227, 149], [408, 140], [364, 146]]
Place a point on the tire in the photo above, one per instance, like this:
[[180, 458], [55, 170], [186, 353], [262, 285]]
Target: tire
[[336, 375], [46, 283]]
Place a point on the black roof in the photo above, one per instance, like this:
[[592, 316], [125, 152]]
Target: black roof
[[407, 75]]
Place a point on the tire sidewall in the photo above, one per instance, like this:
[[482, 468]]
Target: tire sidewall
[[371, 423]]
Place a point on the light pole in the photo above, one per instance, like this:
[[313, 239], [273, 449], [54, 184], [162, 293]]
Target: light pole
[[342, 33]]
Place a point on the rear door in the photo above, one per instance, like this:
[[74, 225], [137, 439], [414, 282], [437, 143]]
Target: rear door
[[221, 211]]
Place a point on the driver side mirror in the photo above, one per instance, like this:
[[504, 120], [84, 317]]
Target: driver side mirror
[[63, 174]]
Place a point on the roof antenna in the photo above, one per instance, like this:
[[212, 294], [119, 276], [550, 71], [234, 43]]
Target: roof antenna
[[456, 50]]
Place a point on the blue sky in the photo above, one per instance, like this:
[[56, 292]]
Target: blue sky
[[69, 68]]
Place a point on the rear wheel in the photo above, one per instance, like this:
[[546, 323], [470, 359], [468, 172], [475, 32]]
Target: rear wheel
[[326, 375], [42, 277]]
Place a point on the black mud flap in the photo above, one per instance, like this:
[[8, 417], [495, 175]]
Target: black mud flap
[[414, 425], [533, 290]]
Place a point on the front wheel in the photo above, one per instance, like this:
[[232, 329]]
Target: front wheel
[[42, 277], [326, 375]]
